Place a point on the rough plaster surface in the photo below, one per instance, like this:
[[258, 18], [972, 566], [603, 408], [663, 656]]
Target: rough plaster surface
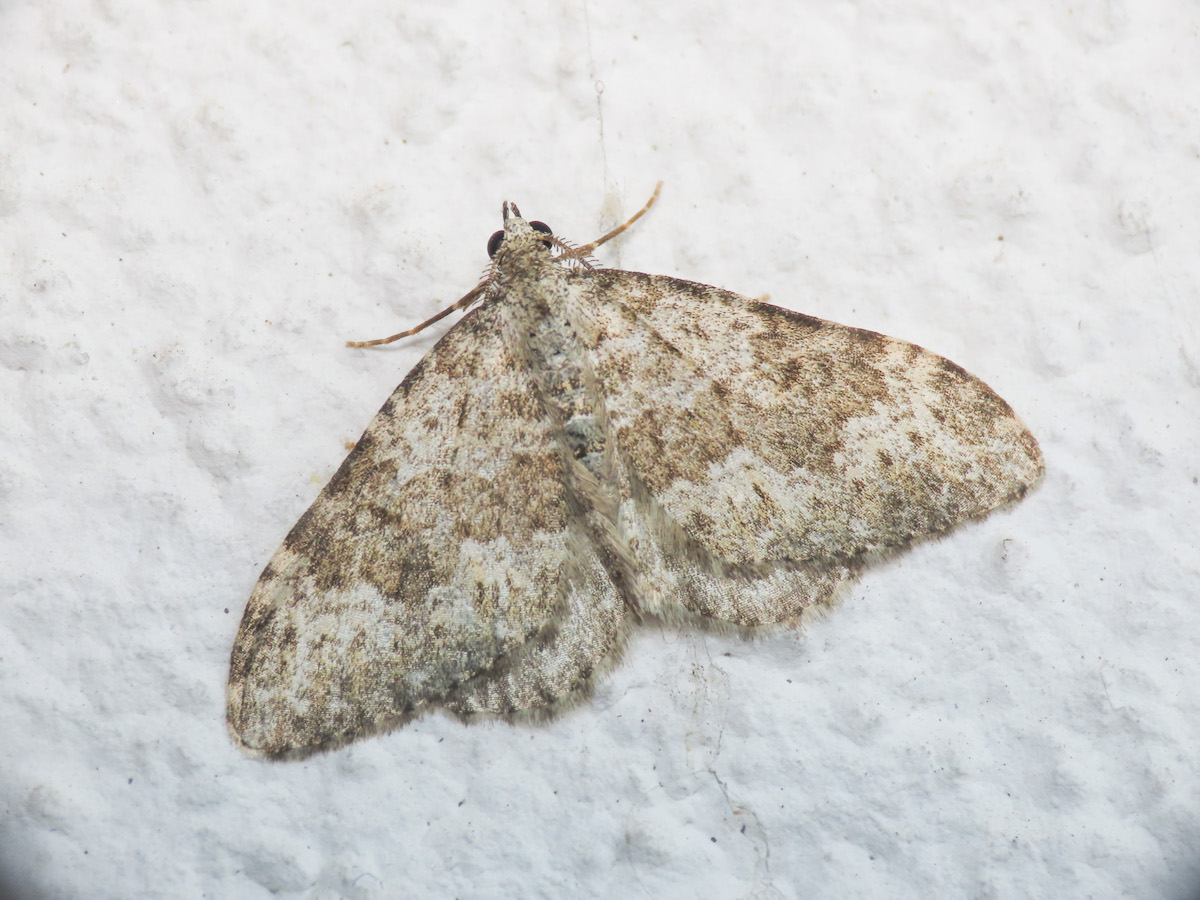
[[199, 203]]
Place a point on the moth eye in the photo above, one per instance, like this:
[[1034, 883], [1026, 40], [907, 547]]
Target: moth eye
[[541, 228], [494, 243]]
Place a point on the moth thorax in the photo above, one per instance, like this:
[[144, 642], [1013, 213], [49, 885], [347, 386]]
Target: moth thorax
[[562, 371]]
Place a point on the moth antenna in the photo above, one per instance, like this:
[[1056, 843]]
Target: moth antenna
[[588, 248], [569, 253], [461, 304], [579, 254]]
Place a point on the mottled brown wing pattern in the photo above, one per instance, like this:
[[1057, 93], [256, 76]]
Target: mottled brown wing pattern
[[764, 441], [440, 556], [590, 446]]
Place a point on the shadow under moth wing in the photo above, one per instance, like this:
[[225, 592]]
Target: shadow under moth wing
[[586, 447]]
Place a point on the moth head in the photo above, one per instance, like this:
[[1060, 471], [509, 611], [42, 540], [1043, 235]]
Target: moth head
[[516, 230]]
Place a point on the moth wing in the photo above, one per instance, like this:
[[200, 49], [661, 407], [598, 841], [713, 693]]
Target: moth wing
[[781, 450], [439, 563], [549, 673]]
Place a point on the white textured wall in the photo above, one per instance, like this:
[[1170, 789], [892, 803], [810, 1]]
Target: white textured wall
[[199, 204]]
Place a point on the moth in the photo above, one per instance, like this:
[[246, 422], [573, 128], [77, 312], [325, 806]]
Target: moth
[[587, 448]]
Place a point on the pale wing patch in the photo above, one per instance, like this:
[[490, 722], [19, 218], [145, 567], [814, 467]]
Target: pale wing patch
[[677, 579], [547, 673]]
